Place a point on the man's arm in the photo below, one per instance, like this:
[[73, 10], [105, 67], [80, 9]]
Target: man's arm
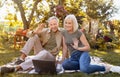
[[38, 30]]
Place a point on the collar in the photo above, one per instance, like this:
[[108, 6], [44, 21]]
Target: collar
[[50, 30]]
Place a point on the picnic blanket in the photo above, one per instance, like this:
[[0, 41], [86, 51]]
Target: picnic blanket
[[94, 60]]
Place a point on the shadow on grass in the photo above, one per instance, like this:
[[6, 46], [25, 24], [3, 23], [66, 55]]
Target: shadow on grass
[[78, 74], [7, 55]]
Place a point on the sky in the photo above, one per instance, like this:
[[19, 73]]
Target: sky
[[3, 11], [117, 4]]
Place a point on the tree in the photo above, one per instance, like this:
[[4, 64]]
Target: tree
[[12, 20], [101, 9], [75, 7], [97, 11], [26, 21]]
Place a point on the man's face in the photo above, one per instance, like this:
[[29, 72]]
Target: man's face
[[53, 25]]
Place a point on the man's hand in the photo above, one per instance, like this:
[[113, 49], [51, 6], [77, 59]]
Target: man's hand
[[39, 28]]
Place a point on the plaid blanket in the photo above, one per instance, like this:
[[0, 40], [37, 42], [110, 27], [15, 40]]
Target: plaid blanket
[[94, 60]]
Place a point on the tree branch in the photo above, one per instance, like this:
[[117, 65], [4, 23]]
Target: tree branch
[[33, 10], [24, 20]]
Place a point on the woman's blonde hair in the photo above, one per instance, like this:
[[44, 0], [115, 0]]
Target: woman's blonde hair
[[74, 20]]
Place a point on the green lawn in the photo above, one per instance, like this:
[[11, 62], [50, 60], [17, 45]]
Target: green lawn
[[110, 56]]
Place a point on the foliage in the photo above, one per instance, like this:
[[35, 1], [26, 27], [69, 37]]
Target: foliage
[[100, 42], [60, 11], [73, 6], [6, 36], [6, 40], [26, 17], [33, 12], [101, 9], [12, 21]]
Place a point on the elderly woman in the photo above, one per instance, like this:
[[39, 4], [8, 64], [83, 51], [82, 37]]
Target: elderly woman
[[78, 47]]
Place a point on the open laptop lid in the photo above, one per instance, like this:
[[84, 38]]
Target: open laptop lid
[[44, 67]]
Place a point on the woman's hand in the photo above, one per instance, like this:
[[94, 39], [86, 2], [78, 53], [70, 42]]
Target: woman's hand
[[75, 43]]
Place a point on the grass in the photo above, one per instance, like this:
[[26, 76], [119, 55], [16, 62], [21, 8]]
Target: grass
[[110, 56]]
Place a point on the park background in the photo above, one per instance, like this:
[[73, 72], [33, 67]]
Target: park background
[[98, 19]]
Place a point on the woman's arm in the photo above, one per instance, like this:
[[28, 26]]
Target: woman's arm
[[84, 41], [64, 50]]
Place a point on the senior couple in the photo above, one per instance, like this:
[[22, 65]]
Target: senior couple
[[48, 41]]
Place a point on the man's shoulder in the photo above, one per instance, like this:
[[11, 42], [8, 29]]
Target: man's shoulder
[[61, 29], [46, 30]]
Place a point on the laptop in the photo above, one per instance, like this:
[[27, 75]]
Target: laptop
[[44, 67]]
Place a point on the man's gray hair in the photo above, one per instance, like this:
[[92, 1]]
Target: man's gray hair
[[74, 20], [53, 17]]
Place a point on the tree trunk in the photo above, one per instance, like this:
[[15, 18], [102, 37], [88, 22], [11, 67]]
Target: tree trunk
[[89, 27], [61, 2], [24, 20], [33, 10]]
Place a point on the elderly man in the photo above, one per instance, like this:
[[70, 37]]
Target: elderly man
[[46, 43]]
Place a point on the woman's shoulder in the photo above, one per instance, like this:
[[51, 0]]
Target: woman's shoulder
[[78, 32]]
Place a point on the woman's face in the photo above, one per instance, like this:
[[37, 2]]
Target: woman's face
[[68, 25]]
